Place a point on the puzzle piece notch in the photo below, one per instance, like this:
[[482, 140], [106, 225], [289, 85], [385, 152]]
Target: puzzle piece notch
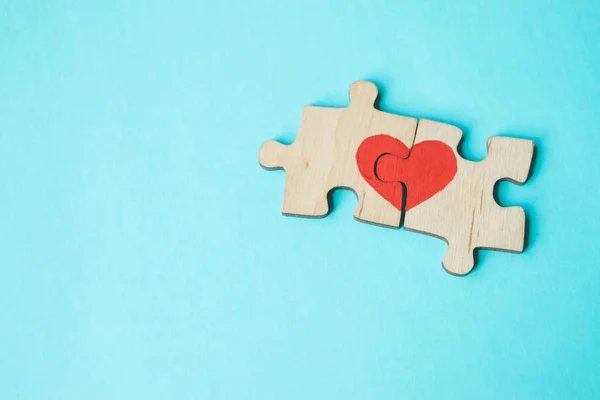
[[323, 156], [465, 213]]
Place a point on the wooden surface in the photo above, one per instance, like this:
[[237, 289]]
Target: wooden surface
[[464, 213], [394, 166], [323, 156]]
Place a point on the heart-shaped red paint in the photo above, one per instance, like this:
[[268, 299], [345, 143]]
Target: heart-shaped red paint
[[384, 162]]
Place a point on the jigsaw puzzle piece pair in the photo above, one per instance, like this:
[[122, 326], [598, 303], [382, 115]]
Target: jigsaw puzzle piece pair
[[396, 165]]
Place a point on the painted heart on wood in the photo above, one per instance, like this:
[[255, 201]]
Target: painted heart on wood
[[384, 163]]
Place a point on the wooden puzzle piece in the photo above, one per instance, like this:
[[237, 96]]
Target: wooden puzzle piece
[[452, 198], [323, 156]]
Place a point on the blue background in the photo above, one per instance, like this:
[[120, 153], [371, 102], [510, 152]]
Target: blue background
[[142, 250]]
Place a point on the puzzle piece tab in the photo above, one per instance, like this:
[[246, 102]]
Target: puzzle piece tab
[[323, 156], [462, 210]]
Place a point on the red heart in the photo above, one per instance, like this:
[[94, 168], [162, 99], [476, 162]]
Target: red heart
[[384, 162]]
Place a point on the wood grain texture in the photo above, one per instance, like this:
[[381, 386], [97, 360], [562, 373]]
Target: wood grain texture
[[465, 213], [323, 156]]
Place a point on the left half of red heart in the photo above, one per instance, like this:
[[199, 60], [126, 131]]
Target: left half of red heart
[[368, 154]]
